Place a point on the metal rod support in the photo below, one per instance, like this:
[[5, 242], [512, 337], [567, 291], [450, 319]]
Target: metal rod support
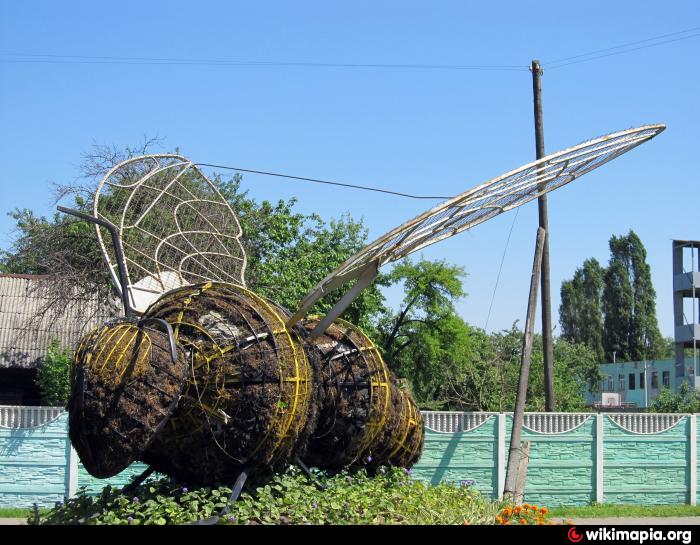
[[168, 329], [118, 252]]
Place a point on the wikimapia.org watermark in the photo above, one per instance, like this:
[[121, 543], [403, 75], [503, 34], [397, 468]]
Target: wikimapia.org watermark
[[639, 536]]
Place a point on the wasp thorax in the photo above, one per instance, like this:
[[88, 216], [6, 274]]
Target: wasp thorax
[[248, 402]]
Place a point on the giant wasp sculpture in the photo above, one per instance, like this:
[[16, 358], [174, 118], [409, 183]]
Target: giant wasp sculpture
[[206, 381]]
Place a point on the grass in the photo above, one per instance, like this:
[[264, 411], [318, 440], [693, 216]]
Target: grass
[[613, 510], [13, 512]]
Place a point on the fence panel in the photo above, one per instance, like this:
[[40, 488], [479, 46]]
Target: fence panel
[[647, 459], [34, 464], [574, 458]]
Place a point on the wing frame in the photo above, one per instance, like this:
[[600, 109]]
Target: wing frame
[[161, 162], [374, 255]]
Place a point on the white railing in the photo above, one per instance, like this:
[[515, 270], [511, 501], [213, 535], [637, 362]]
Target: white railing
[[16, 417], [454, 422], [646, 423], [554, 422]]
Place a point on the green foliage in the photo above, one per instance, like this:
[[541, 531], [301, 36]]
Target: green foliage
[[289, 253], [614, 309], [391, 497], [575, 368], [629, 303], [580, 312], [451, 365], [430, 290], [53, 376], [686, 400]]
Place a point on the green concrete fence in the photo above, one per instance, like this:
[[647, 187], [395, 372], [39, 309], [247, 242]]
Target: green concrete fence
[[575, 458]]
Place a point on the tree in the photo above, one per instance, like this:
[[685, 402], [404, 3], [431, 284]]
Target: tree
[[430, 290], [629, 303], [686, 400], [451, 365], [613, 310], [580, 312], [288, 252], [53, 376]]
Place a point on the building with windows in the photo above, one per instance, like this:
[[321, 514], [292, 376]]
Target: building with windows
[[633, 385]]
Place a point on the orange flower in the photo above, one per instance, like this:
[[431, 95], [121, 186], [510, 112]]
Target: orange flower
[[526, 506], [507, 512], [544, 510], [523, 521], [517, 509], [499, 519], [533, 507]]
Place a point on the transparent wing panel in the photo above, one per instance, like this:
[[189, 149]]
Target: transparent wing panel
[[483, 202], [175, 227]]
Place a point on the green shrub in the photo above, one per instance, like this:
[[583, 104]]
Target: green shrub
[[392, 497], [53, 376]]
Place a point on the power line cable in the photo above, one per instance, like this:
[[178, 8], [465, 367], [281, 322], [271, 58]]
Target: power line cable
[[319, 181], [500, 268], [621, 52], [86, 59], [556, 61]]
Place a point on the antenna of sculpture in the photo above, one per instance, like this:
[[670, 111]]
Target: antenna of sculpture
[[213, 381]]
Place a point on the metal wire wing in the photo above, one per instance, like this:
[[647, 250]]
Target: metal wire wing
[[174, 225], [479, 204]]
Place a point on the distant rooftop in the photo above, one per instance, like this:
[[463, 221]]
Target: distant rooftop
[[24, 339]]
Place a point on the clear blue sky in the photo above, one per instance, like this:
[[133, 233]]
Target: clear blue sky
[[412, 130]]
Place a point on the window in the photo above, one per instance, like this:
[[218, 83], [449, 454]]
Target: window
[[666, 377], [641, 381], [655, 379], [610, 383], [621, 380], [631, 385]]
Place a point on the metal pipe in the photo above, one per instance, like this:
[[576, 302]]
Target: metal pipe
[[118, 252]]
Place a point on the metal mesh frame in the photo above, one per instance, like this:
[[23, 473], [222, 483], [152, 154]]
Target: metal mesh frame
[[402, 443], [361, 367], [120, 356], [210, 409], [483, 202], [175, 226]]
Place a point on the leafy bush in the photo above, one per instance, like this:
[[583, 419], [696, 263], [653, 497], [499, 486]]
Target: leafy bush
[[392, 497], [53, 376]]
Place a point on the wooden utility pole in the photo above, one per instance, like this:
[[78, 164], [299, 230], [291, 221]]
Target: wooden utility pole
[[514, 454], [547, 348]]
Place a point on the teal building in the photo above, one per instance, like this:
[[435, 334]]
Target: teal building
[[635, 384]]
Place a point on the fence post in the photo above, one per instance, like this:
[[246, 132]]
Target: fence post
[[599, 458], [501, 462], [71, 483], [693, 470]]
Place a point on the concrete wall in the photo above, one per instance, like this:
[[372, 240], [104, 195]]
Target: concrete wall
[[38, 465], [575, 458]]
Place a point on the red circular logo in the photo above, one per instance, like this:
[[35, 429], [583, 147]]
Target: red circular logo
[[573, 535]]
